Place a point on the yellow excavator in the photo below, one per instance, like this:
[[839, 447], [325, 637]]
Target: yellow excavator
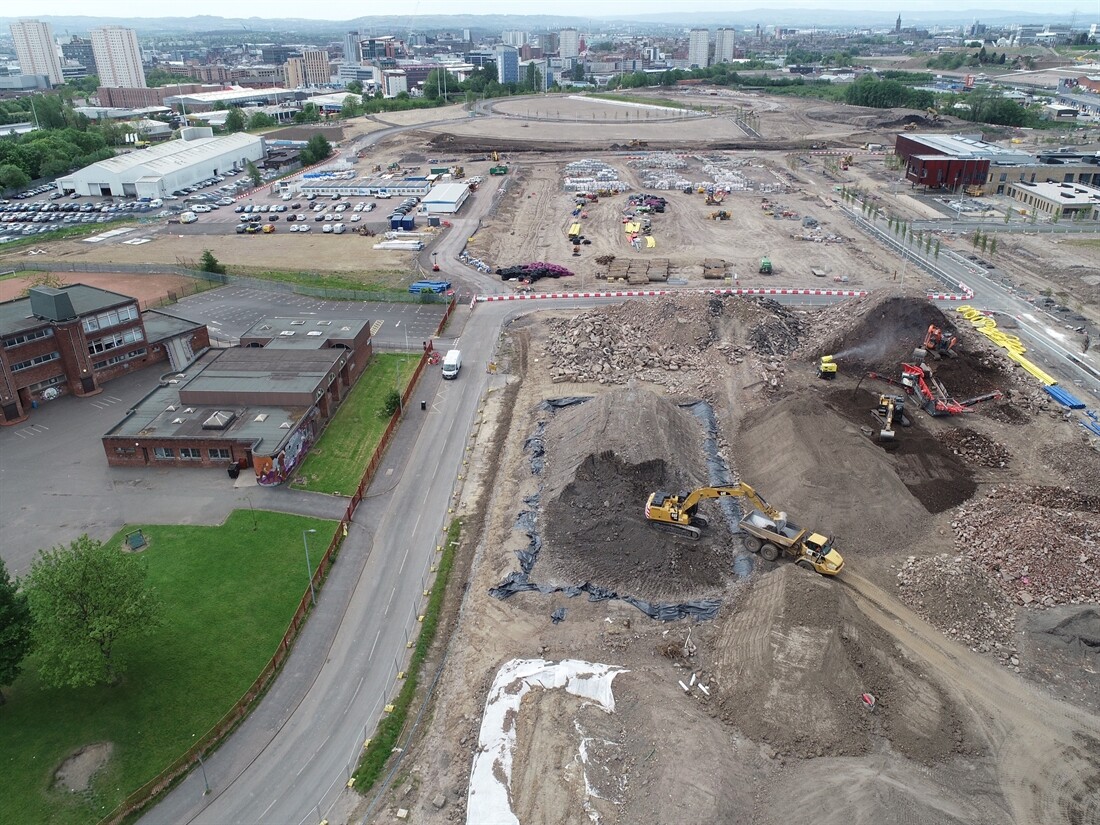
[[768, 531]]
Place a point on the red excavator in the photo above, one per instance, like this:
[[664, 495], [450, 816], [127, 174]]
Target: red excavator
[[938, 344]]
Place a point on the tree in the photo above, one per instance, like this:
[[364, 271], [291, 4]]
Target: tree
[[15, 629], [210, 264], [12, 177], [261, 120], [317, 149], [309, 114], [84, 599], [252, 172], [350, 107], [234, 121], [578, 71], [356, 87]]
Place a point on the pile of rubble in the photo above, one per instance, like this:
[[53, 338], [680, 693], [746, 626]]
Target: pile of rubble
[[1041, 545], [977, 449], [959, 599], [680, 343]]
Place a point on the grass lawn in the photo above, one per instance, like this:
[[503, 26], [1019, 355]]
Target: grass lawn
[[337, 460], [388, 284], [228, 595]]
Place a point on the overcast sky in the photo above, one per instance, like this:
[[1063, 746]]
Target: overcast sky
[[348, 9]]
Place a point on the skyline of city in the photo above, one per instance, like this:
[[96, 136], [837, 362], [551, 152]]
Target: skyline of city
[[348, 10]]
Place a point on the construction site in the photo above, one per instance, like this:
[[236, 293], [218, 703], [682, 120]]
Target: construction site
[[733, 561]]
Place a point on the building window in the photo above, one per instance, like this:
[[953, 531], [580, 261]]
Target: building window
[[34, 362], [130, 336], [163, 452], [111, 318], [190, 453], [219, 454], [118, 359], [24, 337], [49, 382]]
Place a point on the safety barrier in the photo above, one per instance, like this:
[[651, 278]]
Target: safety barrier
[[645, 293], [1011, 344]]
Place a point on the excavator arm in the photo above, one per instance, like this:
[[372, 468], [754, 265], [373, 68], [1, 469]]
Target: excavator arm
[[677, 514]]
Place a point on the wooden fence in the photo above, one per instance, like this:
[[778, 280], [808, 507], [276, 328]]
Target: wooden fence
[[148, 792]]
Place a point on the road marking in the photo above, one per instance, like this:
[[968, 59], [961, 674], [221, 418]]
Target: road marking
[[268, 808], [377, 325], [390, 600], [373, 646], [1054, 334], [404, 558]]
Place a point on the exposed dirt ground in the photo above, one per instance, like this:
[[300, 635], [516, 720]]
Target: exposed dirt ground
[[755, 717], [148, 289]]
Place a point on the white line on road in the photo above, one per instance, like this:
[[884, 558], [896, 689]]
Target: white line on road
[[373, 646], [268, 808], [390, 600], [404, 558]]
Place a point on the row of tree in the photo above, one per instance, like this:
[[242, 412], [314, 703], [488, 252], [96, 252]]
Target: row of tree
[[69, 614]]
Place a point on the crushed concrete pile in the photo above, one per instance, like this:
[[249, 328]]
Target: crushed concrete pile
[[677, 343], [959, 598], [1041, 545], [603, 459], [793, 660], [975, 448]]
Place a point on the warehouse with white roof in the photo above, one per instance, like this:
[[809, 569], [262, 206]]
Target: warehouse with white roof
[[445, 198], [158, 170]]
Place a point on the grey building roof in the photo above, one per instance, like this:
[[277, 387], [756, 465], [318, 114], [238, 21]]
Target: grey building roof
[[267, 370], [174, 155], [972, 148], [162, 415], [16, 316], [161, 327]]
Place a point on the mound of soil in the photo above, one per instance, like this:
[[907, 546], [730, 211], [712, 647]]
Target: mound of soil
[[604, 458], [75, 773], [817, 464], [793, 661], [929, 468]]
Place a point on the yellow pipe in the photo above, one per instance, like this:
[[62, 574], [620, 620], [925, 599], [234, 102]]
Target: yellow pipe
[[1011, 344]]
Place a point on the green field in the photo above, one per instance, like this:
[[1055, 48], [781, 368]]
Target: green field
[[391, 285], [228, 595], [336, 462]]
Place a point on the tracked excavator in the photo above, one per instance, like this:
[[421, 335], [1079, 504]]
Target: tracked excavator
[[768, 531]]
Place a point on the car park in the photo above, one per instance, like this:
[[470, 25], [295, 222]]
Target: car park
[[327, 228], [304, 228]]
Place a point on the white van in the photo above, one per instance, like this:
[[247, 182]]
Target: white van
[[188, 217], [452, 363]]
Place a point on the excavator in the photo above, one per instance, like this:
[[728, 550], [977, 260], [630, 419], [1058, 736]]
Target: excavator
[[769, 531], [890, 410], [938, 344]]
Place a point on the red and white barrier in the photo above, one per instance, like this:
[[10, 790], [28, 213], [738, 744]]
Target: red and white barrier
[[647, 293]]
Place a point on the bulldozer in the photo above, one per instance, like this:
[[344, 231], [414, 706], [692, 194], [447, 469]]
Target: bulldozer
[[768, 531], [364, 231], [638, 144], [826, 368], [846, 161], [765, 266], [720, 215]]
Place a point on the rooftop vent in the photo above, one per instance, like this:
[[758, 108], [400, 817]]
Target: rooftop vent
[[261, 417], [287, 333], [285, 425], [314, 333], [297, 323], [51, 303]]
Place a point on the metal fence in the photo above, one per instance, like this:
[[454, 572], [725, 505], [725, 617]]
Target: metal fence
[[242, 281]]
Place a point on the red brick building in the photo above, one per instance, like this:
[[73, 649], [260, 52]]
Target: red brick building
[[140, 97], [260, 405], [73, 339]]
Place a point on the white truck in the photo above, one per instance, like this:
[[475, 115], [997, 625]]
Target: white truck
[[188, 217], [452, 363]]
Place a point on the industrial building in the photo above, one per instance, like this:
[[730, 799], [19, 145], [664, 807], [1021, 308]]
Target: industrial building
[[445, 198], [159, 170], [361, 187], [1068, 201], [72, 339], [262, 404], [205, 101], [953, 161]]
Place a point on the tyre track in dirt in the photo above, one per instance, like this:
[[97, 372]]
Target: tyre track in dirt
[[1048, 753]]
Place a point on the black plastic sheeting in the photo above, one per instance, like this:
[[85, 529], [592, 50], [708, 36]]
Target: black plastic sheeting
[[700, 609], [527, 521], [558, 616], [719, 473]]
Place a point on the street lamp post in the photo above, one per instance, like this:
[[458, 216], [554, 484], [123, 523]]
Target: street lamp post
[[309, 567]]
